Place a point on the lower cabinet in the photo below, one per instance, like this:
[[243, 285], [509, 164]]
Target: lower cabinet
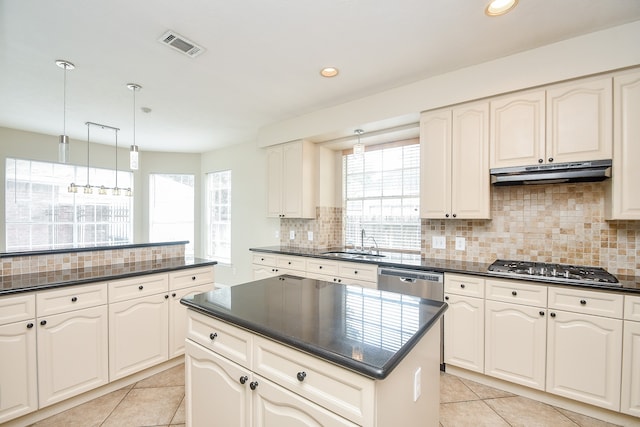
[[630, 403], [464, 332], [178, 317]]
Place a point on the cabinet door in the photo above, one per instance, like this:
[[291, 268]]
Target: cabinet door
[[623, 198], [138, 334], [178, 317], [435, 164], [292, 168], [470, 181], [583, 358], [18, 375], [515, 343], [631, 369], [214, 393], [517, 136], [580, 121], [72, 353], [273, 406], [464, 332], [274, 182]]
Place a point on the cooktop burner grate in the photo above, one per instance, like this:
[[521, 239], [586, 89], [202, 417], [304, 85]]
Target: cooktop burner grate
[[556, 272]]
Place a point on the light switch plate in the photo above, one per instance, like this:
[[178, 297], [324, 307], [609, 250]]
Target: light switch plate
[[292, 234], [310, 236], [439, 242], [460, 243]]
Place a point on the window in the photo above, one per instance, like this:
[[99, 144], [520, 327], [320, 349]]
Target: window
[[219, 216], [382, 196], [171, 209], [40, 213]]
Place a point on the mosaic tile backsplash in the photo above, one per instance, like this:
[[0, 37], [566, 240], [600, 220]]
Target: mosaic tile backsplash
[[326, 228], [78, 260]]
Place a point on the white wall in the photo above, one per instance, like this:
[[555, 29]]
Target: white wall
[[250, 226]]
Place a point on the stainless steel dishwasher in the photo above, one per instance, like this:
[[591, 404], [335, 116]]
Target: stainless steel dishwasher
[[419, 283]]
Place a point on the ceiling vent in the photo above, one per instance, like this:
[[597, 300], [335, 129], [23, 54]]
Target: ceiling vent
[[181, 44]]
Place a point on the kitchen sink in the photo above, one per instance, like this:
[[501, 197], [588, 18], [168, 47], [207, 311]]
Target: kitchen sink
[[353, 255]]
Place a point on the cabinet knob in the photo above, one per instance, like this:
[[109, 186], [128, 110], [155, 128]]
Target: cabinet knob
[[550, 159], [446, 215], [339, 280], [552, 315], [541, 313], [141, 287], [289, 263], [583, 302], [253, 385], [540, 160], [320, 267], [166, 296], [462, 285], [173, 294], [514, 293], [213, 336], [454, 215], [301, 376], [244, 379], [193, 278], [43, 322], [355, 271], [446, 298], [74, 299], [29, 325]]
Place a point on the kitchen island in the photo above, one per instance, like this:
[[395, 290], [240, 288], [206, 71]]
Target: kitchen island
[[290, 351]]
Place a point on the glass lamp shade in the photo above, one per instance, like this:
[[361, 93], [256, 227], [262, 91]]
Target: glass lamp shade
[[63, 149], [133, 158], [358, 149]]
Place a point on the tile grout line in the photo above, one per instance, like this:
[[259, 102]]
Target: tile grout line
[[119, 403]]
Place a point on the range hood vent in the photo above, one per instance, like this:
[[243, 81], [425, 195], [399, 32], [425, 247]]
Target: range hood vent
[[592, 171], [181, 44]]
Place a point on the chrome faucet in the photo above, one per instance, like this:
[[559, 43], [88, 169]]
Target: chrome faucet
[[362, 234]]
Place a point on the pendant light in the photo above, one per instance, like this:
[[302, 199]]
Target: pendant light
[[133, 152], [358, 148], [63, 142]]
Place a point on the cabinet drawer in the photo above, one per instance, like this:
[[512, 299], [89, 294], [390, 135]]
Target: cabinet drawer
[[461, 284], [354, 270], [322, 266], [264, 259], [291, 263], [191, 277], [71, 298], [587, 302], [343, 392], [226, 340], [516, 292], [17, 308], [632, 308], [137, 287]]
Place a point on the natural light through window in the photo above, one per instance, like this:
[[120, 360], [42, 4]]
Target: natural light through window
[[219, 216], [171, 209]]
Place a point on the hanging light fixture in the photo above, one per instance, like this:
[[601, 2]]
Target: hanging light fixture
[[133, 152], [63, 142], [358, 148]]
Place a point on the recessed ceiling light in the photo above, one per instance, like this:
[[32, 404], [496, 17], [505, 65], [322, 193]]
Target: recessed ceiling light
[[499, 7], [329, 72]]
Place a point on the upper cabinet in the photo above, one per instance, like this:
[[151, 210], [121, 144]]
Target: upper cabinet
[[454, 162], [623, 198], [291, 172], [568, 122]]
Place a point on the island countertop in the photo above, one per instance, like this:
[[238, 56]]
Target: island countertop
[[365, 330]]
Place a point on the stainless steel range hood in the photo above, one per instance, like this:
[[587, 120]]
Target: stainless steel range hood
[[595, 170]]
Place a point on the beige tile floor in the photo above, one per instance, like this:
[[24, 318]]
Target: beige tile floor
[[159, 401]]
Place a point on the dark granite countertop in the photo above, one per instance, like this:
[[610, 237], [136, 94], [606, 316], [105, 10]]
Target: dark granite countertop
[[365, 330], [627, 284], [60, 278]]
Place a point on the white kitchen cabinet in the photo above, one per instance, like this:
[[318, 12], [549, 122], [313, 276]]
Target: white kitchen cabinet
[[622, 201], [265, 266], [291, 176], [18, 370], [517, 135], [454, 162], [630, 395], [579, 121]]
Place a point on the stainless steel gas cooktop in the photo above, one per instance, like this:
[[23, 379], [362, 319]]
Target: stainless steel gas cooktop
[[559, 273]]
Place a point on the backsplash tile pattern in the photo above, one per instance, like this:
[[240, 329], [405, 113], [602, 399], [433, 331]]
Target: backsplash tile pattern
[[561, 223], [77, 260], [326, 228]]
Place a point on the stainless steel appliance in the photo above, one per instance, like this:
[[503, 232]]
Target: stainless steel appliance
[[557, 273], [424, 284], [552, 173]]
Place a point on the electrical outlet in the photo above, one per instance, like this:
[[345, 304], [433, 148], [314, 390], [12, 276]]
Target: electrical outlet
[[417, 387], [292, 234], [310, 236], [439, 242], [277, 234], [460, 243]]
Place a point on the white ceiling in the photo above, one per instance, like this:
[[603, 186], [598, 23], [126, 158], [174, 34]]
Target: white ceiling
[[262, 60]]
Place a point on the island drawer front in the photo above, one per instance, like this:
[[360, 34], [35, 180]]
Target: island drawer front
[[192, 277], [222, 338], [322, 266], [71, 298], [337, 389], [632, 308], [264, 259], [291, 263], [17, 308], [587, 302], [136, 287], [516, 292], [354, 270], [462, 284]]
